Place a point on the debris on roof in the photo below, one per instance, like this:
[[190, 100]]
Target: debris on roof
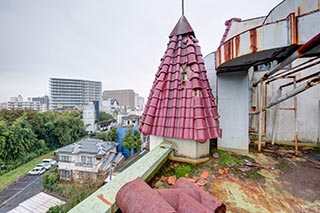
[[181, 104], [137, 196]]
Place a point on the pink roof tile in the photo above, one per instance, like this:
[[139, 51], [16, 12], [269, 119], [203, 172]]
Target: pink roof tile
[[180, 103]]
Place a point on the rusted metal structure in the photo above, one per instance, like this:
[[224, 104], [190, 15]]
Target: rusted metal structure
[[289, 32]]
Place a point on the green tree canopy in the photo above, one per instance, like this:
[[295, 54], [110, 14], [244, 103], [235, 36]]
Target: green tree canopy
[[25, 134], [132, 140], [103, 116]]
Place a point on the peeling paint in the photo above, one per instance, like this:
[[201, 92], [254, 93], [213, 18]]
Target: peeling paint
[[269, 196], [253, 40], [237, 45]]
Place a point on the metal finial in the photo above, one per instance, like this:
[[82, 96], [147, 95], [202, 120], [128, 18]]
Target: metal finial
[[183, 7]]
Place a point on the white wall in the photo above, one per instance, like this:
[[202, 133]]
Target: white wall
[[233, 107], [307, 110], [89, 117], [211, 72], [183, 148]]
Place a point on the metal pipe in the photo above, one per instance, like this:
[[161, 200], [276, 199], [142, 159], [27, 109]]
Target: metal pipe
[[296, 91], [293, 68], [183, 7], [265, 111], [301, 79], [260, 117], [298, 53], [294, 71], [295, 119], [286, 108], [275, 121], [318, 140]]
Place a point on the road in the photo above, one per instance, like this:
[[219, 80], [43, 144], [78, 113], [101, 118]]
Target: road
[[24, 188]]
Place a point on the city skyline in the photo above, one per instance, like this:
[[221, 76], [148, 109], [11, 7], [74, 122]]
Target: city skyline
[[119, 44]]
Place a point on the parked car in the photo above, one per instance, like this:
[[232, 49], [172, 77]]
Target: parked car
[[50, 161], [37, 171], [47, 166]]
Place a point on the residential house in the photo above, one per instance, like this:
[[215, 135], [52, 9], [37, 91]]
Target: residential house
[[87, 158]]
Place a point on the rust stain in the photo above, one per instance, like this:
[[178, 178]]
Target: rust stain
[[310, 44], [228, 50], [299, 11], [219, 56], [253, 40], [103, 199], [293, 29], [237, 46]]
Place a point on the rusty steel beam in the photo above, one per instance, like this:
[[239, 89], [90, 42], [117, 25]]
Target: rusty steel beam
[[297, 54], [295, 92], [294, 70], [301, 79]]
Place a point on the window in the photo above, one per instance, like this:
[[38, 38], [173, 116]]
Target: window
[[64, 158], [64, 173], [86, 160]]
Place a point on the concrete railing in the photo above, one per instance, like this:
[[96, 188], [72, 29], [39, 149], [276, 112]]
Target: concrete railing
[[103, 200]]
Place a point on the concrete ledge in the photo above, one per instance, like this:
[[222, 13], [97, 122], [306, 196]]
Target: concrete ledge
[[187, 160], [103, 200]]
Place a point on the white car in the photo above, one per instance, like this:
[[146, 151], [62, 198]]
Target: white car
[[47, 166], [50, 161], [37, 171]]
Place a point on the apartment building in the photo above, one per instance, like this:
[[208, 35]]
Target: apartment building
[[73, 93]]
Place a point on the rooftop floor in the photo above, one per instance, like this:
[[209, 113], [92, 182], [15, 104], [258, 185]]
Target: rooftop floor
[[274, 181]]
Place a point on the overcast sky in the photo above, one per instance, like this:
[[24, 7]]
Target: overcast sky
[[119, 43]]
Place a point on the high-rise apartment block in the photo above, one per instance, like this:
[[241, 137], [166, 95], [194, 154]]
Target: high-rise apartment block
[[73, 93]]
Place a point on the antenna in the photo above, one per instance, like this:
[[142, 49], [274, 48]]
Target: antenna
[[183, 7]]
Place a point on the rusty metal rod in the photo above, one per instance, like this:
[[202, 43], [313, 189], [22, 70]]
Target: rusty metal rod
[[295, 101], [301, 79], [298, 53], [260, 117], [265, 112], [287, 108], [183, 7], [275, 121], [296, 67], [293, 71], [295, 92]]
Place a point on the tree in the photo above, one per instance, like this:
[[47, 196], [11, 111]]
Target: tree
[[50, 180], [103, 116], [132, 140], [112, 135], [21, 140], [128, 140], [137, 140], [4, 133]]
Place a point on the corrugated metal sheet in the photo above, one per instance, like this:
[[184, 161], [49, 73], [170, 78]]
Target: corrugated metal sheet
[[40, 203]]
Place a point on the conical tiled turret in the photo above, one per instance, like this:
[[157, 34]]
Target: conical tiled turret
[[180, 104]]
